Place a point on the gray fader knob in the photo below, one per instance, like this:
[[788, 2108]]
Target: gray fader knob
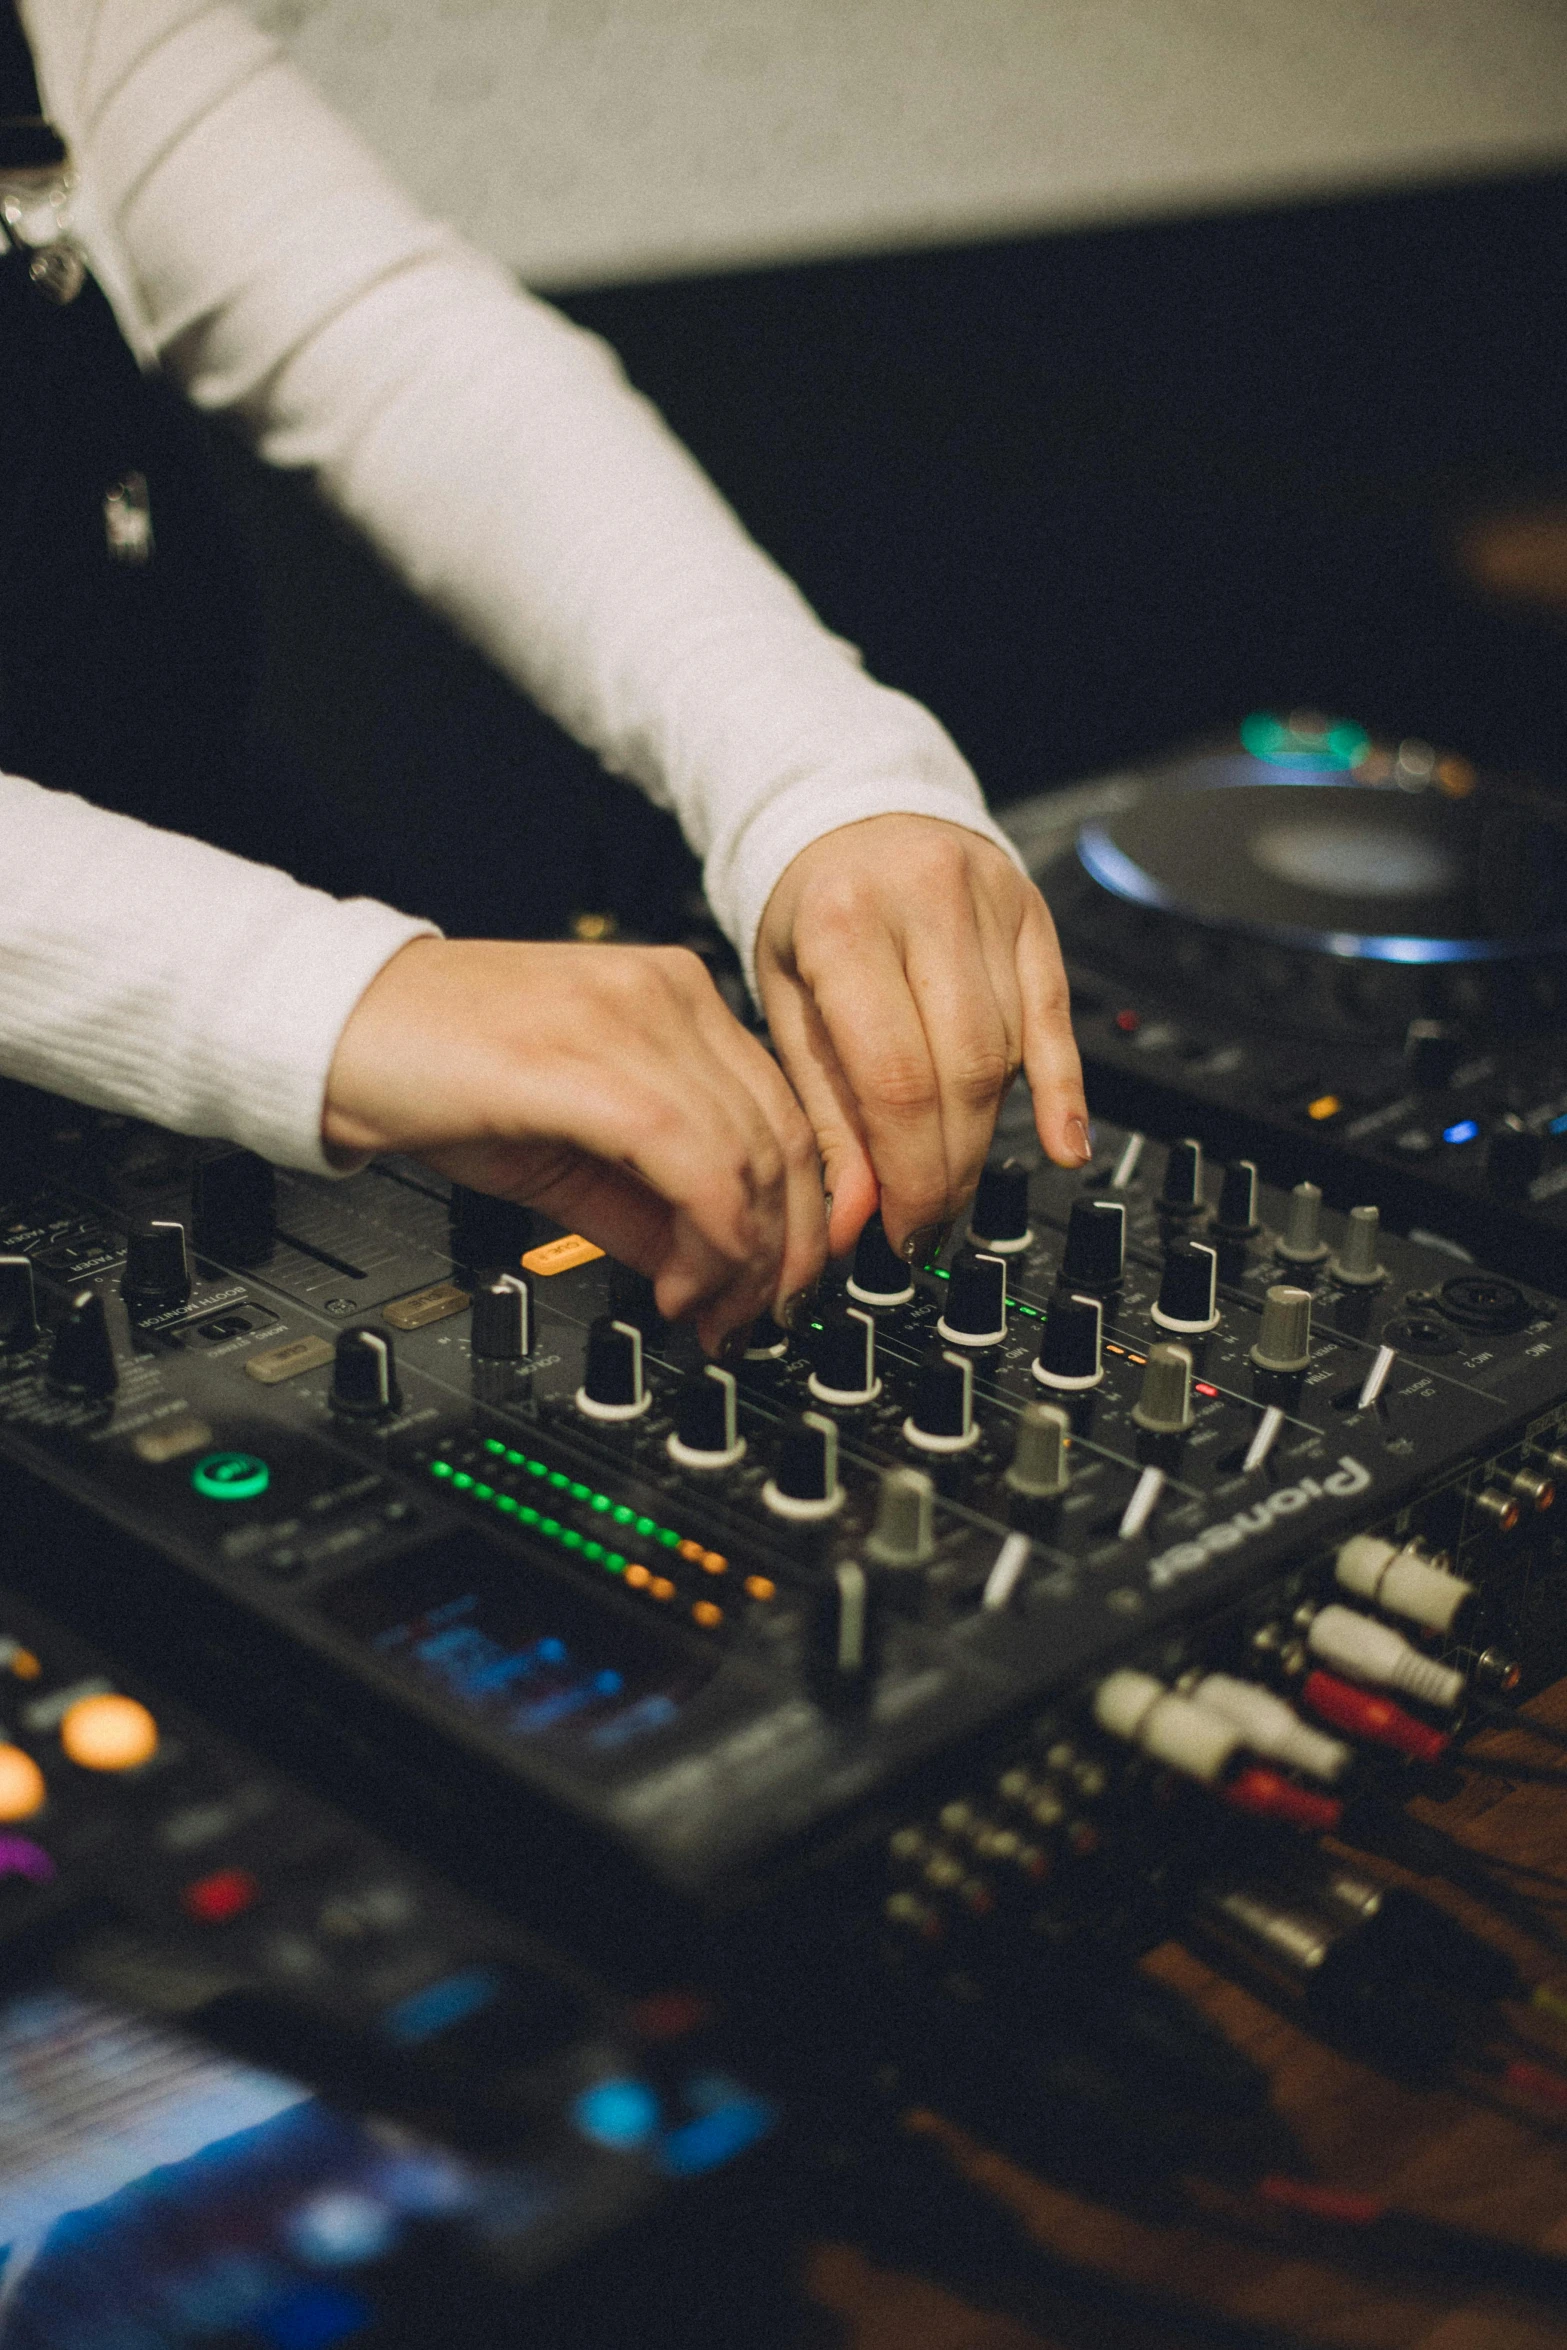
[[1284, 1340], [1357, 1265], [904, 1532], [1302, 1242], [502, 1326], [1181, 1193], [879, 1278], [975, 1309], [1039, 1469], [156, 1279], [81, 1359], [364, 1376], [1095, 1255], [1164, 1407], [999, 1218], [1189, 1289], [1071, 1354], [18, 1305]]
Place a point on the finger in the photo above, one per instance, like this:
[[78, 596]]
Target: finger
[[971, 1045], [1050, 1055], [804, 1215], [817, 1075], [875, 1029]]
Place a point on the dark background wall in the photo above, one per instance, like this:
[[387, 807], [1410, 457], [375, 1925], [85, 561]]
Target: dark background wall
[[1083, 493]]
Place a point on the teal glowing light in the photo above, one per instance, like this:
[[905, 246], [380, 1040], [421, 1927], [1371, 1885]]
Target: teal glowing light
[[1336, 742], [230, 1476]]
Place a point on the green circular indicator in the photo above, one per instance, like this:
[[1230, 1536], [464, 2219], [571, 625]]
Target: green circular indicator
[[230, 1476]]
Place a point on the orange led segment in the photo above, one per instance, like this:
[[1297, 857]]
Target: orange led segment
[[25, 1665], [692, 1551], [714, 1563], [661, 1587], [708, 1616], [560, 1256], [1326, 1105], [760, 1588], [638, 1578], [108, 1733], [22, 1789]]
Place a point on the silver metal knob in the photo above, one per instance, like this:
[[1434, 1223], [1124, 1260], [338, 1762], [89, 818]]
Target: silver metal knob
[[1302, 1242], [1284, 1340], [1357, 1264]]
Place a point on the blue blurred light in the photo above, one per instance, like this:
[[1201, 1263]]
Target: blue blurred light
[[1558, 1125], [717, 2138], [341, 2228], [620, 2113], [440, 2005], [313, 2318], [1466, 1130]]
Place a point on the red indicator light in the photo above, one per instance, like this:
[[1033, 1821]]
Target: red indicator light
[[1202, 1388], [1128, 1022], [226, 1894]]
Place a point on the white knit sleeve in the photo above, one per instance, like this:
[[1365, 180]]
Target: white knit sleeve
[[492, 451], [152, 974]]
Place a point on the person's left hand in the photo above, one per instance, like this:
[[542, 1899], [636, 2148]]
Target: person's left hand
[[908, 971]]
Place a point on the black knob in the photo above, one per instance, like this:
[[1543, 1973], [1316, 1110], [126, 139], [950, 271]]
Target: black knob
[[942, 1418], [999, 1217], [705, 1434], [631, 1299], [844, 1357], [81, 1359], [1432, 1051], [364, 1376], [1070, 1353], [879, 1277], [1188, 1289], [234, 1208], [612, 1383], [1513, 1158], [502, 1326], [488, 1231], [157, 1269], [1237, 1216], [804, 1483], [1095, 1245], [843, 1636], [1181, 1193], [974, 1312], [18, 1305]]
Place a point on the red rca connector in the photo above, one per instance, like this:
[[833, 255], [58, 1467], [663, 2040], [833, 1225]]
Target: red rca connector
[[1272, 1797], [1376, 1721]]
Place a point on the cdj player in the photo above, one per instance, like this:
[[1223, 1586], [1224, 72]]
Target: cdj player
[[1347, 959]]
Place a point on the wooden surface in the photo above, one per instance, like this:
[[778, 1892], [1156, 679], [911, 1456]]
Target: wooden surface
[[1498, 2167]]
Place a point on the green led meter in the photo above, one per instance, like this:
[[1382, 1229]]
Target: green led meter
[[230, 1476]]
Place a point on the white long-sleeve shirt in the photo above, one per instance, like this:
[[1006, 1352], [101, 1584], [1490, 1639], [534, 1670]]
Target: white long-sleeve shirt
[[497, 458]]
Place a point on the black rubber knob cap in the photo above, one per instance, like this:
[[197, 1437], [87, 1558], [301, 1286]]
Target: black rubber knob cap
[[942, 1399], [234, 1208], [502, 1326], [702, 1414], [1070, 1350], [1188, 1288], [1095, 1245], [1432, 1051], [81, 1360], [1000, 1211], [364, 1376], [974, 1310], [879, 1277], [1513, 1158], [805, 1468], [488, 1231], [1237, 1217], [1181, 1194], [18, 1305], [843, 1635], [613, 1375], [843, 1356], [631, 1299], [157, 1269]]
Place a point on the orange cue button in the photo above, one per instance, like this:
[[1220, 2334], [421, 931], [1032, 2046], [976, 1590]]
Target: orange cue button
[[22, 1789], [108, 1733]]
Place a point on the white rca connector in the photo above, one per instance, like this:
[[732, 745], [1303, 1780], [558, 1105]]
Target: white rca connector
[[1405, 1582], [1167, 1728], [1272, 1728], [1375, 1653]]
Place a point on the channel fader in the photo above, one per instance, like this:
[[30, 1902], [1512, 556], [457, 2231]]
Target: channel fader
[[683, 1640]]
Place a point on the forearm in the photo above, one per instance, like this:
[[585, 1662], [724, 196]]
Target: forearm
[[147, 973]]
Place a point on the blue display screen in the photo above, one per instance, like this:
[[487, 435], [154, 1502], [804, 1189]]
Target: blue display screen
[[526, 1656]]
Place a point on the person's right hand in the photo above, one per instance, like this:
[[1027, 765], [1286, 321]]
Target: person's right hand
[[609, 1086]]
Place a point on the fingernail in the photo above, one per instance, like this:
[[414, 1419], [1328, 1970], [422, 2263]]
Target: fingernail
[[1077, 1139], [733, 1345], [925, 1243], [827, 1204], [792, 1309]]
